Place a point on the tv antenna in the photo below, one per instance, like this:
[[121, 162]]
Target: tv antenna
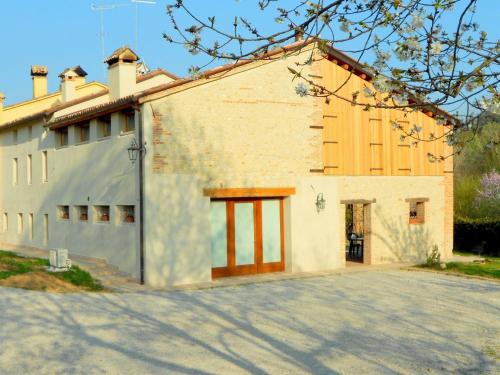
[[106, 7], [137, 2], [101, 9]]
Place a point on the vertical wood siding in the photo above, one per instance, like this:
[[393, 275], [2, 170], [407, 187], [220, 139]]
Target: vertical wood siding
[[363, 143]]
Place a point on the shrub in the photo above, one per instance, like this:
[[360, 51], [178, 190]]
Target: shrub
[[433, 258], [481, 236]]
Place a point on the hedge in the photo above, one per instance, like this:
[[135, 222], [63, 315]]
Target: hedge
[[480, 236]]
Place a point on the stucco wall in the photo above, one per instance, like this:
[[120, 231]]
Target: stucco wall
[[178, 245], [248, 129], [94, 173], [318, 238], [393, 238], [97, 172]]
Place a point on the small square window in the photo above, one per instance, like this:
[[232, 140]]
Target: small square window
[[83, 131], [62, 137], [126, 214], [417, 212], [104, 126], [82, 213], [63, 212], [128, 124], [101, 214]]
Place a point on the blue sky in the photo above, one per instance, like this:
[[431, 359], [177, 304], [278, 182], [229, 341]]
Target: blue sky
[[64, 33]]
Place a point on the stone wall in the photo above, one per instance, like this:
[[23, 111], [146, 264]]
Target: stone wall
[[248, 128]]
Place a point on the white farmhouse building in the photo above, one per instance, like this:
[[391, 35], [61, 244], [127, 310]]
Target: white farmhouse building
[[233, 174]]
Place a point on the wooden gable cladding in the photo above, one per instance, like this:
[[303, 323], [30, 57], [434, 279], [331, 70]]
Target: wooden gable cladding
[[331, 149], [403, 156], [358, 142], [376, 146]]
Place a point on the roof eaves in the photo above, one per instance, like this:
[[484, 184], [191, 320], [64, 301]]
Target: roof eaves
[[77, 101], [224, 68], [92, 112], [155, 73], [343, 58], [13, 123], [49, 111]]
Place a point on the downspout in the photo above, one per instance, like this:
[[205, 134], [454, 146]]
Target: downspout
[[142, 153]]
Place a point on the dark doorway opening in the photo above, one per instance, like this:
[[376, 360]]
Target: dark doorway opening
[[355, 232]]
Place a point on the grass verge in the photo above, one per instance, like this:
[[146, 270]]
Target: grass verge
[[30, 273], [490, 268]]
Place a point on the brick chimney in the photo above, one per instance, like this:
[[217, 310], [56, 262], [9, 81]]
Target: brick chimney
[[70, 79], [122, 66], [39, 77]]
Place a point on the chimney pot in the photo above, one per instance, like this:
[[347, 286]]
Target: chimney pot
[[70, 79], [122, 72], [39, 77]]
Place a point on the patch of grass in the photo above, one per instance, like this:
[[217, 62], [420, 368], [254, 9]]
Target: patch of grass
[[12, 264], [490, 268], [76, 276]]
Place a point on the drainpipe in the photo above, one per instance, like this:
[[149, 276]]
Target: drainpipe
[[142, 153]]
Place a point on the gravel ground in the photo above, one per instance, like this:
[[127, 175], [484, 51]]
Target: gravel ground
[[361, 323]]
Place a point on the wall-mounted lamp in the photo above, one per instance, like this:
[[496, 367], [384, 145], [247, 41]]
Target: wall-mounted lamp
[[320, 202], [134, 150]]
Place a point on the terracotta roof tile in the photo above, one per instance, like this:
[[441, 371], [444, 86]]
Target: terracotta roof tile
[[155, 73]]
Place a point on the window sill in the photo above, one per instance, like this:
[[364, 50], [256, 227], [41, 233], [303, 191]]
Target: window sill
[[61, 147], [101, 222], [413, 222], [82, 143], [104, 138], [128, 132]]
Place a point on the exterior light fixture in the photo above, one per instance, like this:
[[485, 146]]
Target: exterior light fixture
[[134, 150], [320, 202]]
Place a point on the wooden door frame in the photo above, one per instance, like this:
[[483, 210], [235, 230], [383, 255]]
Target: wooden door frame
[[258, 266]]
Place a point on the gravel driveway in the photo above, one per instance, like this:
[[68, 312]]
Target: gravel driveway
[[358, 323]]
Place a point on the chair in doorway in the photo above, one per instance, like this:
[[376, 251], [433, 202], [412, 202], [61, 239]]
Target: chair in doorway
[[355, 247]]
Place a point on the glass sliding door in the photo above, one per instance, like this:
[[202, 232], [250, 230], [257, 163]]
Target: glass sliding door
[[271, 230], [218, 226], [247, 236], [244, 238]]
